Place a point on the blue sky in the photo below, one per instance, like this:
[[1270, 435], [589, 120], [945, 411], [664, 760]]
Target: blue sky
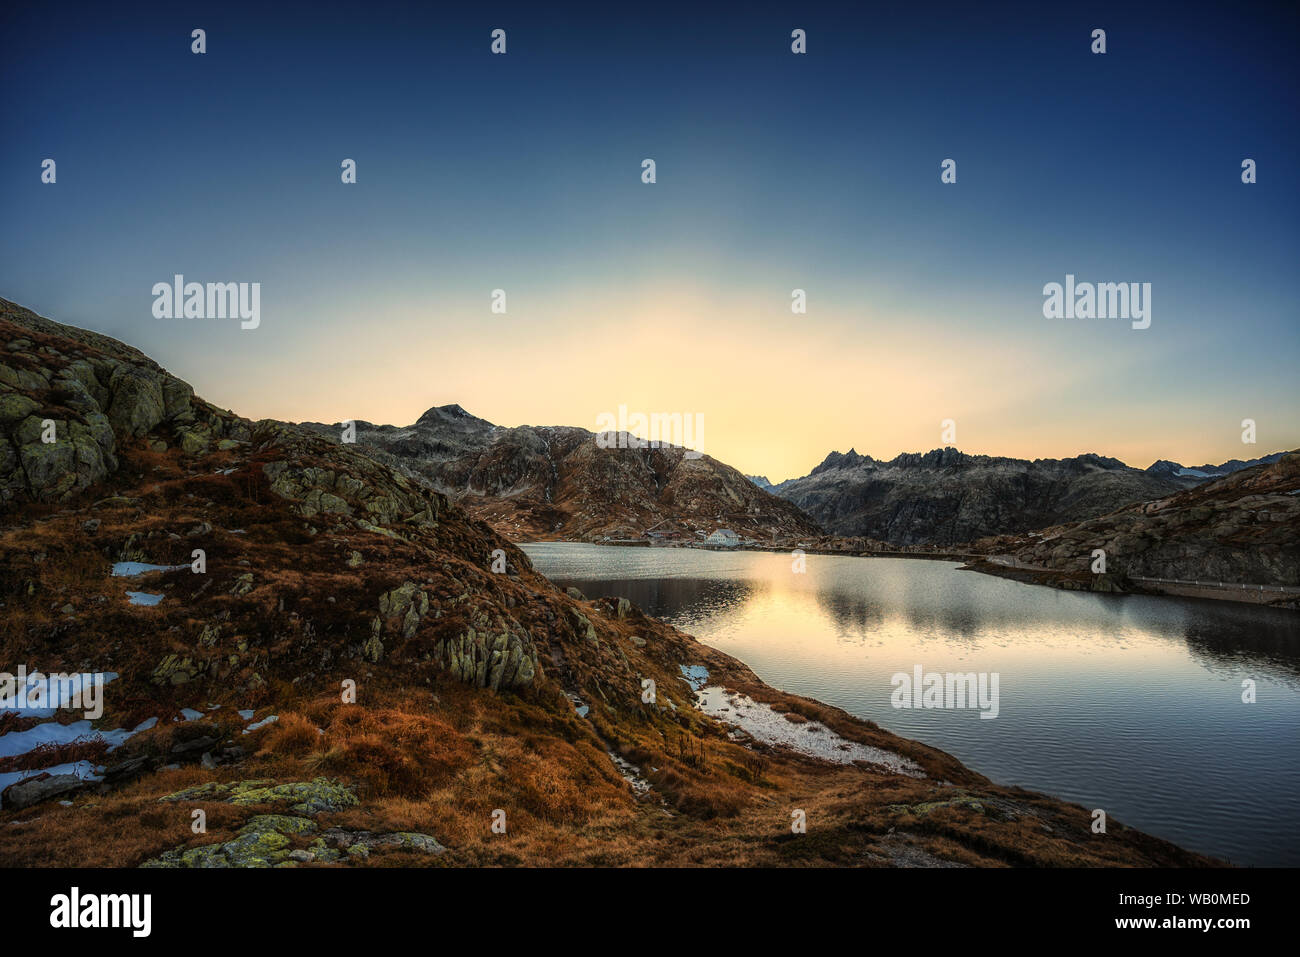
[[775, 172]]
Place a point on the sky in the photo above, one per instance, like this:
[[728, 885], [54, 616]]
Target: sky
[[774, 172]]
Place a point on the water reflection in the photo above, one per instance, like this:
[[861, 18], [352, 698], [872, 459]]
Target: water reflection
[[1128, 703]]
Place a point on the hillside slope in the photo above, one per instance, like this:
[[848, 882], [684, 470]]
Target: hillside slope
[[1243, 528]]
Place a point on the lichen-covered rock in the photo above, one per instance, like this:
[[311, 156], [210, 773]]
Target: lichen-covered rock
[[382, 498], [368, 840], [177, 670], [265, 841], [306, 797], [499, 656], [586, 630]]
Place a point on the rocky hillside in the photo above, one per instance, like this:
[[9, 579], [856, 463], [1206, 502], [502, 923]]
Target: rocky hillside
[[1244, 529], [945, 496], [555, 482], [340, 667]]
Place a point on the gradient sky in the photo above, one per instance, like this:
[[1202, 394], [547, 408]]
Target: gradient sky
[[775, 171]]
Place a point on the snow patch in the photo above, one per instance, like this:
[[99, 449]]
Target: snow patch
[[131, 569], [812, 738], [74, 685], [82, 769], [269, 719]]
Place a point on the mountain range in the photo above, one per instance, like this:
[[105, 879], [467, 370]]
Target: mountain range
[[947, 497], [536, 483], [1203, 472]]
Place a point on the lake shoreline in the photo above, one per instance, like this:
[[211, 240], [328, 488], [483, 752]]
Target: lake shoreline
[[978, 562], [706, 596]]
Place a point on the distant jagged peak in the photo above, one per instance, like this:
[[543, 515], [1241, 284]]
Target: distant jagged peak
[[1104, 461], [453, 414], [849, 460], [1164, 467], [934, 459]]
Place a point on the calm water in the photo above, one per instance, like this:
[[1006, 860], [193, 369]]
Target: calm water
[[1131, 704]]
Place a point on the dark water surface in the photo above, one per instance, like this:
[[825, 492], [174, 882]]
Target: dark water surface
[[1131, 704]]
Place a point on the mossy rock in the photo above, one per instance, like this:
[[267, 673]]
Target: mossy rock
[[306, 797], [280, 823], [927, 807]]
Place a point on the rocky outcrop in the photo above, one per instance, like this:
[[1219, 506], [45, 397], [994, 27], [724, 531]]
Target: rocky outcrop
[[105, 401], [494, 652], [278, 840], [70, 398], [40, 788], [1242, 529], [305, 797]]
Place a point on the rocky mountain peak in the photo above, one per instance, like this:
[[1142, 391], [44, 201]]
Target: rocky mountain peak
[[849, 460]]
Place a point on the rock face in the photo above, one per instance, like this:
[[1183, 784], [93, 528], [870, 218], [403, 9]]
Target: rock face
[[33, 791], [69, 397], [75, 405], [1243, 529], [556, 482], [946, 497]]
